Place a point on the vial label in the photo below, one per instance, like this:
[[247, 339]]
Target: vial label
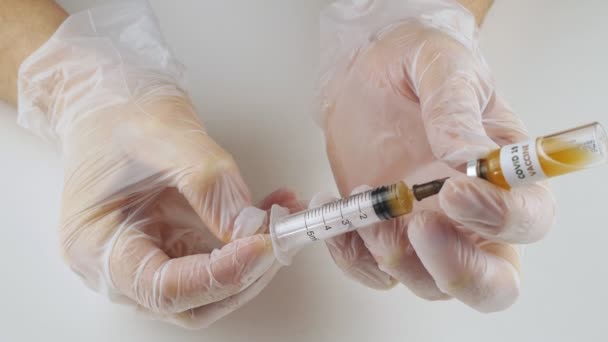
[[520, 164]]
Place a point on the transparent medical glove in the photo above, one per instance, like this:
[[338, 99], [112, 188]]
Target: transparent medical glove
[[407, 95], [154, 212]]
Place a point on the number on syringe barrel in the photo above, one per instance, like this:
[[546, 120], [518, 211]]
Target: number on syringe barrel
[[333, 217], [310, 217], [364, 214], [356, 206], [338, 217], [311, 235]]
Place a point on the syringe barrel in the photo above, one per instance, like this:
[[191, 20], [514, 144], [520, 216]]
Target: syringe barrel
[[289, 233]]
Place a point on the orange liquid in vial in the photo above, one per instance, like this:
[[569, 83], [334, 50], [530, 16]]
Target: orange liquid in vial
[[493, 171], [556, 156], [545, 157]]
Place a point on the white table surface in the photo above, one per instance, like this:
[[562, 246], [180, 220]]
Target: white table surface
[[254, 63]]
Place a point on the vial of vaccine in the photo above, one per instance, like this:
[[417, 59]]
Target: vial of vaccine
[[545, 157]]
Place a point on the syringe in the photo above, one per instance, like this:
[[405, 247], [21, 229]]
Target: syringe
[[290, 233]]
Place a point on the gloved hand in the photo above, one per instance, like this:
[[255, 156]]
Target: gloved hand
[[148, 194], [406, 95]]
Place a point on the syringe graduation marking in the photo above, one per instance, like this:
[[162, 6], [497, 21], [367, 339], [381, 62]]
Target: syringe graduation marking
[[323, 216], [345, 221]]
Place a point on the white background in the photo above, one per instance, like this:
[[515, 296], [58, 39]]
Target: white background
[[252, 70]]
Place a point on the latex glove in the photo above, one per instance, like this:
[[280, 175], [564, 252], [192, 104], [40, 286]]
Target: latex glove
[[148, 194], [407, 96]]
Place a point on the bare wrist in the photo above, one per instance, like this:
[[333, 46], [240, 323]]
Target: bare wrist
[[479, 8], [24, 26]]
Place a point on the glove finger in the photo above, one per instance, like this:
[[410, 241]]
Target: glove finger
[[216, 191], [203, 172], [178, 232], [525, 214], [354, 259], [352, 256], [285, 198], [522, 215], [484, 276], [204, 316], [501, 124], [146, 274], [281, 197], [390, 247], [453, 88]]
